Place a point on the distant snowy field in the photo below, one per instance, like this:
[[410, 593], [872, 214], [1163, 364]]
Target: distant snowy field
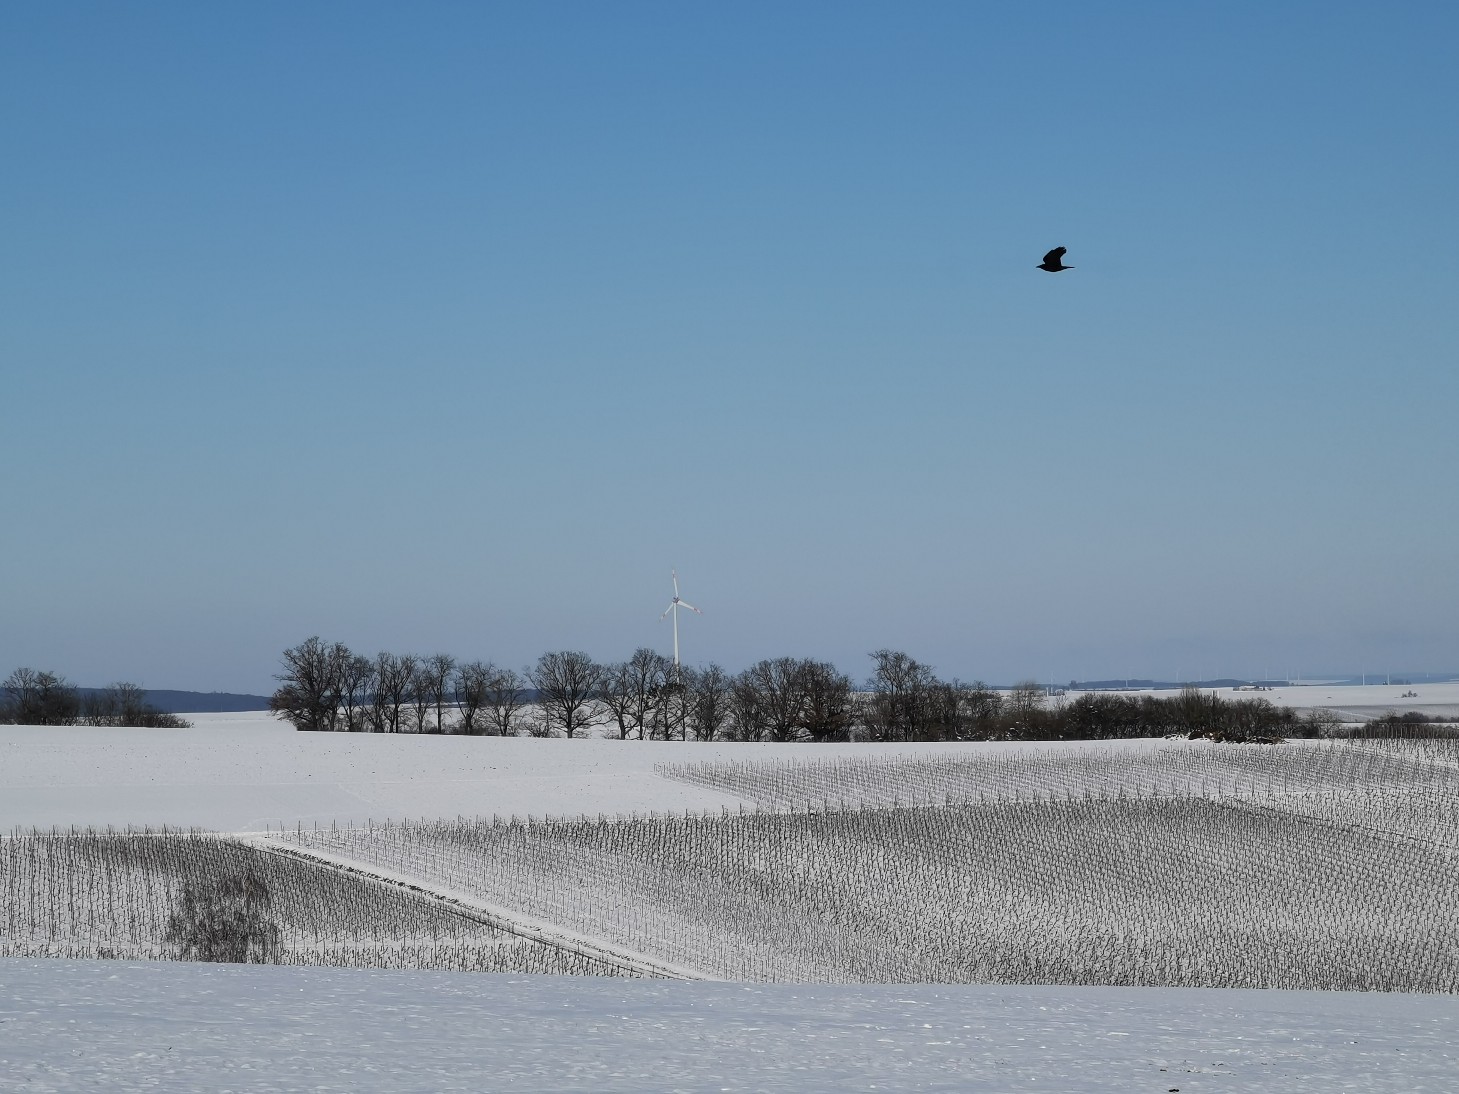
[[116, 1026], [1358, 703]]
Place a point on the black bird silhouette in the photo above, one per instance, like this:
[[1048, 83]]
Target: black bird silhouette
[[1053, 261]]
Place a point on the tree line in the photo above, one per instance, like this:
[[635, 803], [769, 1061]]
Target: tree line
[[324, 686], [44, 698]]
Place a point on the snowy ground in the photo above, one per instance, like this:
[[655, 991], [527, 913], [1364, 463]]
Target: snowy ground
[[245, 772], [175, 1027], [1357, 703], [1351, 702], [68, 1026]]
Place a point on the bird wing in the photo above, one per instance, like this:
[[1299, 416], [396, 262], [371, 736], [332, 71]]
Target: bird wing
[[1052, 258]]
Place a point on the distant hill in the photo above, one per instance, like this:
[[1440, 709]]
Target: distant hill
[[196, 702]]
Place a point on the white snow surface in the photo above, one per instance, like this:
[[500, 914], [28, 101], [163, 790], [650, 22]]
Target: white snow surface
[[74, 1026], [1359, 702], [1350, 702], [248, 772], [114, 1026], [244, 772]]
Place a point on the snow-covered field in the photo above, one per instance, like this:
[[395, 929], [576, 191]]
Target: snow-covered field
[[173, 1026], [246, 772], [1350, 702], [1359, 702], [186, 1028]]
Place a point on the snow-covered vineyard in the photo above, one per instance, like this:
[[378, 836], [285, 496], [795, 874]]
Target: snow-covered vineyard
[[1320, 871], [1327, 866]]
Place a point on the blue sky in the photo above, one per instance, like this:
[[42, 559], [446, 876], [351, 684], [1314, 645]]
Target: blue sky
[[455, 326]]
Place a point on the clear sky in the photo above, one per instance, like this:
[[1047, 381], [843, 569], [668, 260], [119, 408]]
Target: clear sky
[[454, 326]]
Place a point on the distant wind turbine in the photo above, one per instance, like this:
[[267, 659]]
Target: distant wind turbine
[[674, 606]]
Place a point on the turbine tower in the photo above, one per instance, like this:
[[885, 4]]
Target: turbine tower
[[674, 606]]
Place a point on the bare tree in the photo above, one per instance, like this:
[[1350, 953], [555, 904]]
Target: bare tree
[[633, 689], [469, 690], [771, 694], [15, 693], [104, 707], [788, 699], [984, 710], [504, 698], [41, 698], [898, 706], [123, 704], [60, 705], [669, 714], [536, 721], [948, 716], [394, 678], [708, 691], [654, 686], [1023, 710], [617, 697], [1195, 711], [356, 691], [309, 693], [488, 698], [1319, 722], [434, 675], [828, 710], [569, 683], [100, 709], [131, 703], [747, 720], [418, 696]]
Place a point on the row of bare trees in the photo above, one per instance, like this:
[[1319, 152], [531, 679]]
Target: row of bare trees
[[567, 693], [29, 697], [645, 697], [325, 686]]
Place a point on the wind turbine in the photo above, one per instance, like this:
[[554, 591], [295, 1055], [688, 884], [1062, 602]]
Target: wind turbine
[[674, 606]]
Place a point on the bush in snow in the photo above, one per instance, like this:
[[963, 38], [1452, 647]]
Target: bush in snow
[[225, 918]]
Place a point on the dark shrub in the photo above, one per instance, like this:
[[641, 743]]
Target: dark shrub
[[225, 918]]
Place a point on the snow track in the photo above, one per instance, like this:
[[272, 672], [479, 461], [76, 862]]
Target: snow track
[[495, 916]]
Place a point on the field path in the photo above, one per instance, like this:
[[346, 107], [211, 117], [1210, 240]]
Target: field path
[[471, 907]]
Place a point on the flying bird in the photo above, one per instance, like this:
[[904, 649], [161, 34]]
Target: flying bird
[[1054, 260]]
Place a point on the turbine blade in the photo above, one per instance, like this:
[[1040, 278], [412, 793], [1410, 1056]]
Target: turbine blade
[[691, 607], [666, 613]]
